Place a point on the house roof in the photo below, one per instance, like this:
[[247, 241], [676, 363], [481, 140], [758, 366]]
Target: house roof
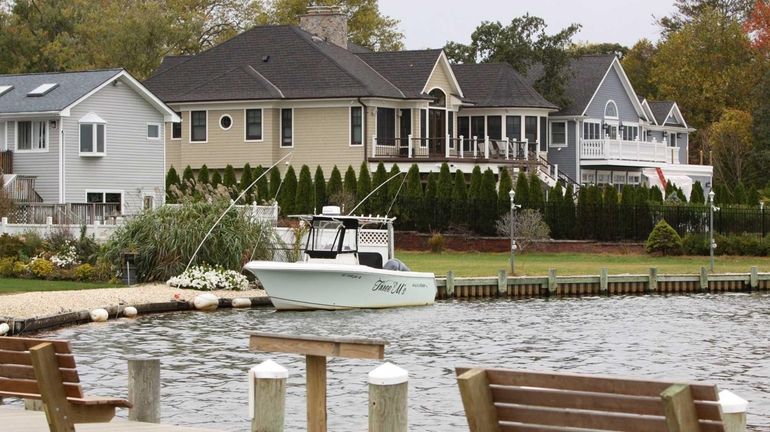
[[268, 62], [408, 70], [71, 87], [497, 85], [661, 110]]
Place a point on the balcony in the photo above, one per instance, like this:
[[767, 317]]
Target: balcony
[[642, 151], [449, 149]]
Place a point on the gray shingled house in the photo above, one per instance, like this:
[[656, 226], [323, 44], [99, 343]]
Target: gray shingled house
[[91, 143]]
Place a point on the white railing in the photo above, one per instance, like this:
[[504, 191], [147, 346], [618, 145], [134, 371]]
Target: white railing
[[645, 151], [475, 147]]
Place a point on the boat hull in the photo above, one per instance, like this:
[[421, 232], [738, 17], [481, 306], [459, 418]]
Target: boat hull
[[298, 286]]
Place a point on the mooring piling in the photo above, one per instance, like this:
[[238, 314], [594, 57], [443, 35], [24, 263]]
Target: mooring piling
[[144, 390], [388, 388], [267, 396]]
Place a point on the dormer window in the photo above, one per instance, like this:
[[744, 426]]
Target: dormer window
[[93, 135]]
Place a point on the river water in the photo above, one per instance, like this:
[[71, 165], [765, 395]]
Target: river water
[[204, 356]]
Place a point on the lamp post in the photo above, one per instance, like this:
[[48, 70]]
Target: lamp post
[[712, 245], [514, 206]]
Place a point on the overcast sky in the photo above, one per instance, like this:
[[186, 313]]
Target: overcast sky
[[431, 23]]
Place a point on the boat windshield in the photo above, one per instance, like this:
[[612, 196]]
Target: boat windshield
[[329, 237]]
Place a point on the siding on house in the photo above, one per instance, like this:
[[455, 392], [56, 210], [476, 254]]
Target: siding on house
[[565, 157], [612, 89], [441, 79], [43, 165], [684, 146], [3, 133], [133, 164]]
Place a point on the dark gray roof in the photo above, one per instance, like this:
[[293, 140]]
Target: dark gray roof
[[497, 85], [267, 61], [71, 87], [584, 76], [660, 110], [407, 70], [356, 48], [170, 61]]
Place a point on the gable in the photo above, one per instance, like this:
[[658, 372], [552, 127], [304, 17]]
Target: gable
[[675, 117], [443, 77], [612, 88]]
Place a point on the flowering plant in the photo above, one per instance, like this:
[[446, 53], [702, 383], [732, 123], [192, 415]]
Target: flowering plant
[[207, 278], [67, 257]]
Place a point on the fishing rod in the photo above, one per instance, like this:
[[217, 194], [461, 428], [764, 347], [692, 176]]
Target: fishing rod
[[375, 190]]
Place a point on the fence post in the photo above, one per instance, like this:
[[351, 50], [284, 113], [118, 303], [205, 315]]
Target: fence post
[[551, 282], [4, 223], [446, 145], [704, 280], [603, 282], [486, 147], [409, 146], [144, 390], [267, 396], [374, 145], [450, 283], [754, 279], [475, 146], [502, 282], [388, 388], [652, 285], [462, 145]]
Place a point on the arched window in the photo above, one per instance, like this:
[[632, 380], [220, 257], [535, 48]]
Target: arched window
[[439, 98], [611, 110]]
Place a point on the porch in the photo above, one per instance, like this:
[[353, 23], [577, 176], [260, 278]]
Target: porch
[[451, 149], [70, 213], [618, 149]]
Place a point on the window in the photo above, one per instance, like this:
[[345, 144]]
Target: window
[[253, 125], [225, 122], [105, 198], [558, 134], [611, 110], [405, 126], [153, 131], [356, 126], [423, 127], [287, 127], [588, 177], [634, 178], [198, 131], [513, 128], [386, 126], [619, 178], [451, 126], [176, 128], [463, 127], [32, 136], [42, 89], [603, 177], [148, 202], [530, 129], [591, 131], [630, 133], [495, 127], [92, 139], [439, 98]]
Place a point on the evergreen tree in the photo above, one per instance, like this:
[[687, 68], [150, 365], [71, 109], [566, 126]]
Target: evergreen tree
[[335, 183], [739, 194], [656, 195], [522, 190], [275, 184], [411, 199], [379, 201], [229, 181], [429, 203], [349, 184], [626, 212], [443, 210], [319, 184], [553, 216], [583, 213], [288, 192], [203, 175], [363, 188], [536, 196], [752, 198], [669, 189], [485, 221], [609, 227], [474, 192], [246, 180], [643, 218], [304, 196], [680, 194], [187, 179], [262, 192], [172, 179], [216, 179], [394, 186], [567, 214], [459, 200], [696, 195], [504, 187]]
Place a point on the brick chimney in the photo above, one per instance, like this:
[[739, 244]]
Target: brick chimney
[[326, 22]]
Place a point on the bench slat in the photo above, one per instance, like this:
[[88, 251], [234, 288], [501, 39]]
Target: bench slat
[[24, 344], [24, 358], [95, 400], [11, 386], [581, 419], [520, 427], [28, 372]]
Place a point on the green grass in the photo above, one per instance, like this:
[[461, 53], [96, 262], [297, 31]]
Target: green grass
[[10, 285], [537, 264]]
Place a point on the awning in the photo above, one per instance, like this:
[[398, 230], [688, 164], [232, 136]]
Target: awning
[[681, 181]]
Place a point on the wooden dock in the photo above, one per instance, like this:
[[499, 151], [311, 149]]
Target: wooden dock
[[17, 419]]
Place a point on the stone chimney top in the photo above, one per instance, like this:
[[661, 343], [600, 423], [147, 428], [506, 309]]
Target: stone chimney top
[[326, 22]]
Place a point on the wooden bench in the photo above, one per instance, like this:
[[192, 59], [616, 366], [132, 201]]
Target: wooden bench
[[513, 400], [45, 370]]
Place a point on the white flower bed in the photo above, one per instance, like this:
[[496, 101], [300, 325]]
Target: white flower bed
[[207, 278], [67, 258]]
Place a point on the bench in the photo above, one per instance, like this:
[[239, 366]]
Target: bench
[[513, 400], [45, 370]]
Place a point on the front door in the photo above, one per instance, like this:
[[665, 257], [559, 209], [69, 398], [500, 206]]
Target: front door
[[436, 132]]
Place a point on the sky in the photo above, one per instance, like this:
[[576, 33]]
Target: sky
[[431, 23]]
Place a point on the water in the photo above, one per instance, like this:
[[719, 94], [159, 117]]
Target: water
[[716, 338]]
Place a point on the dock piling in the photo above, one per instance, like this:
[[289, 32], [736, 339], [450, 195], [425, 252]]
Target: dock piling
[[267, 396], [388, 388], [604, 281], [144, 390], [551, 282], [652, 284], [450, 284], [754, 279], [502, 283], [704, 280]]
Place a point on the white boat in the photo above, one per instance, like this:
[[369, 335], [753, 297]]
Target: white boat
[[334, 274]]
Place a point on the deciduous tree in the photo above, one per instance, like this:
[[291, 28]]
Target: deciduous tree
[[732, 144], [638, 66]]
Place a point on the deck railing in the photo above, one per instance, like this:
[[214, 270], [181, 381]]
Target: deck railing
[[6, 162], [22, 189], [646, 151], [71, 213], [473, 148]]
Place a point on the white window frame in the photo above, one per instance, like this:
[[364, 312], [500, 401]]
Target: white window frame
[[588, 177], [95, 130], [600, 174], [160, 133], [219, 123], [280, 126], [32, 149], [634, 178], [598, 124], [189, 128], [111, 191], [617, 113], [624, 177], [363, 119], [171, 132], [246, 124], [551, 142]]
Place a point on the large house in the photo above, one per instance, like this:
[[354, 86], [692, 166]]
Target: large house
[[84, 141], [306, 90]]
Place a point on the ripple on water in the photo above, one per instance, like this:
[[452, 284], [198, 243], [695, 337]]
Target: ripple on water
[[717, 338]]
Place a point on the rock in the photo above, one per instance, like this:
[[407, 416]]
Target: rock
[[241, 302], [99, 315], [206, 302], [130, 312], [4, 329]]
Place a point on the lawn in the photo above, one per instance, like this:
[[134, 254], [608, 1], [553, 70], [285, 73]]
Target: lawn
[[9, 285], [537, 264]]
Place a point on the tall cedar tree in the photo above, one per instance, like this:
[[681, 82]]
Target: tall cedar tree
[[335, 183], [626, 212], [229, 181], [364, 188], [262, 192], [567, 214], [553, 210], [583, 212], [411, 199], [656, 195], [521, 197], [739, 194], [203, 175], [428, 216], [536, 196], [275, 184], [443, 197], [304, 197], [609, 227], [696, 195], [187, 179], [459, 215], [216, 179], [172, 179], [752, 198], [485, 222], [319, 184], [288, 193], [474, 196], [379, 201], [394, 186], [504, 187], [246, 180], [349, 184], [643, 221]]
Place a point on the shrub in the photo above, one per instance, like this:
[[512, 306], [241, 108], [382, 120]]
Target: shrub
[[67, 256], [663, 240], [209, 278], [6, 266], [528, 226], [436, 243], [65, 274], [695, 244], [20, 269], [84, 272], [10, 246], [33, 245], [41, 268]]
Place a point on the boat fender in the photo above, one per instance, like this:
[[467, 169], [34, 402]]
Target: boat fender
[[4, 329], [130, 312], [395, 264], [241, 303], [206, 302], [99, 315]]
